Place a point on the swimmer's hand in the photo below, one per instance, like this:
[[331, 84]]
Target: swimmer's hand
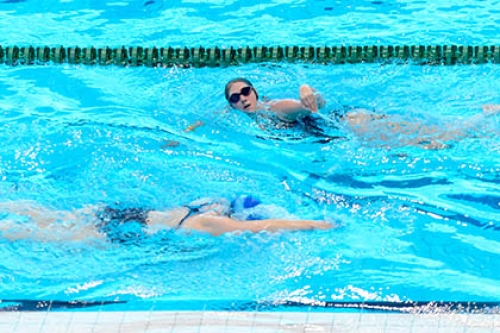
[[307, 98], [321, 225], [311, 99]]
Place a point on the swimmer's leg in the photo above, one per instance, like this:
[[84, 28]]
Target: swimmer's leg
[[23, 208], [46, 224], [488, 111], [476, 123], [40, 215], [11, 230], [433, 144], [491, 109], [361, 116]]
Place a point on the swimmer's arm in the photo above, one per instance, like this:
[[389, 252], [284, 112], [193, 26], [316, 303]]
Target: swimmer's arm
[[288, 109], [217, 225], [292, 109]]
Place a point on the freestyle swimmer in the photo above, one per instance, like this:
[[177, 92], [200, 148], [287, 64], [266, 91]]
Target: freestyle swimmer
[[119, 224], [372, 127]]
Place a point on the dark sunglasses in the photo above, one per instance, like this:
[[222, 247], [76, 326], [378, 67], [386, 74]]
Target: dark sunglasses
[[245, 91]]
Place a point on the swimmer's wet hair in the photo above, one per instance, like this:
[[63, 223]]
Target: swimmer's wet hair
[[238, 79]]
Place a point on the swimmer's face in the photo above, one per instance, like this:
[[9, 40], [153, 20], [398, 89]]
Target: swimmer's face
[[243, 97]]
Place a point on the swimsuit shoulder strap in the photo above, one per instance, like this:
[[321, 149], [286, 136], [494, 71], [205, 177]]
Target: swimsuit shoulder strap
[[198, 207]]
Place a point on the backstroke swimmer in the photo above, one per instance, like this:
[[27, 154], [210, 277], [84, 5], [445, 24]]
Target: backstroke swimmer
[[119, 224], [242, 95]]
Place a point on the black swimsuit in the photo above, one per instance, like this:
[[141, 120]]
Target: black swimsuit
[[122, 224], [324, 129], [198, 209], [191, 212], [127, 224]]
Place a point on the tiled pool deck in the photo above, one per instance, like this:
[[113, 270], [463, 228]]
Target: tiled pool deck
[[243, 322]]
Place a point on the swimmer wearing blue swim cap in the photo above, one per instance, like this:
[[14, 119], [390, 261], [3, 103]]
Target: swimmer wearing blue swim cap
[[123, 224]]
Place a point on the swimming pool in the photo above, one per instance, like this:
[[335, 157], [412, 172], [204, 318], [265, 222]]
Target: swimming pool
[[417, 225]]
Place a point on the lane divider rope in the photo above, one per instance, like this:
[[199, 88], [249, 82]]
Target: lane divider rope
[[221, 57]]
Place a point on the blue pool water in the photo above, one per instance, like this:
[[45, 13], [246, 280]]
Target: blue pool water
[[417, 225]]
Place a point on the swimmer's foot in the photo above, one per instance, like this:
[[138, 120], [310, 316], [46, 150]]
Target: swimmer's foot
[[491, 109], [307, 98], [475, 122], [434, 145]]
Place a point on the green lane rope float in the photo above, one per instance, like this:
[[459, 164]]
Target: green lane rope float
[[220, 57]]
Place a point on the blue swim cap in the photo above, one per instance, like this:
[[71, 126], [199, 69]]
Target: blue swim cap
[[244, 202], [248, 208], [250, 202]]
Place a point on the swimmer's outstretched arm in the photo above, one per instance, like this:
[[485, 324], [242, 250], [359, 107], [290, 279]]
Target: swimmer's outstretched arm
[[292, 109], [217, 225]]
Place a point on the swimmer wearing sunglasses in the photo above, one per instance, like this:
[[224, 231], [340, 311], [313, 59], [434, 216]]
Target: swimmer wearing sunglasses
[[371, 127], [241, 95]]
